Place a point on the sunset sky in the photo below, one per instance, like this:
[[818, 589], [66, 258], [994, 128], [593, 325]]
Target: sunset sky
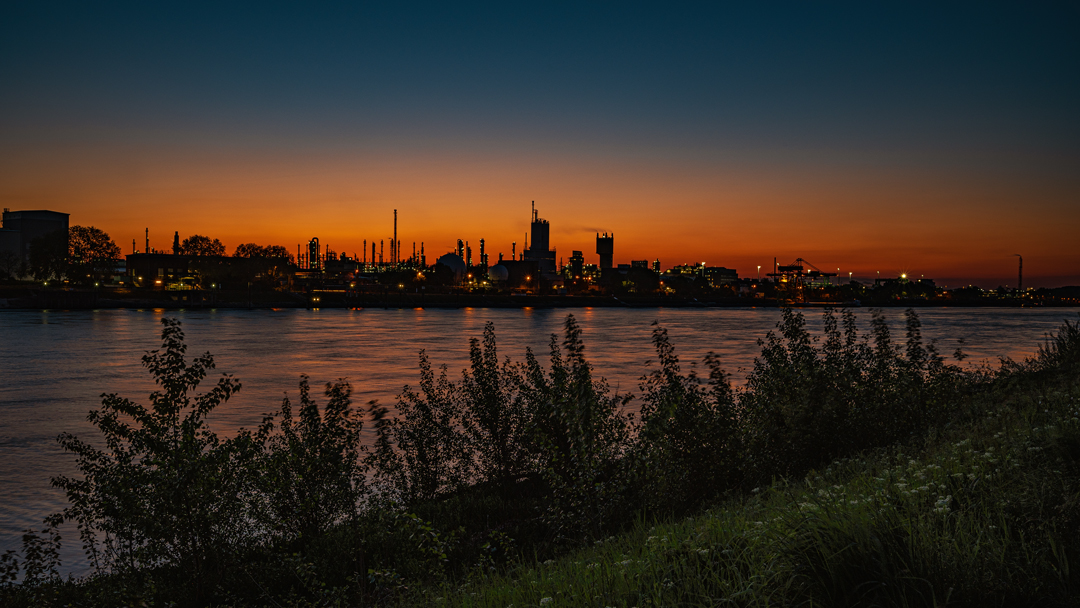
[[866, 137]]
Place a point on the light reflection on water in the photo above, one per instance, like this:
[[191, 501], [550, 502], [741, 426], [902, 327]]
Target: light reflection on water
[[55, 365]]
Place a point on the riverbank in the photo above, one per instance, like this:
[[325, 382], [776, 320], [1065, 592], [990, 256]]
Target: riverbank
[[37, 298], [888, 453], [985, 514]]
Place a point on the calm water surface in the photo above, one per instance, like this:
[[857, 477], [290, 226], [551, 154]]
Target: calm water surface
[[55, 365]]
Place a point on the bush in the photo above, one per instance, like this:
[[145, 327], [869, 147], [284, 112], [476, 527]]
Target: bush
[[421, 454], [689, 447], [578, 435], [806, 405], [165, 493], [311, 478]]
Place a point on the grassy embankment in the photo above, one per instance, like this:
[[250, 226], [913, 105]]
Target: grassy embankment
[[985, 514]]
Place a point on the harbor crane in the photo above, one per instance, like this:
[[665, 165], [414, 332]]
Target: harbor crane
[[799, 273]]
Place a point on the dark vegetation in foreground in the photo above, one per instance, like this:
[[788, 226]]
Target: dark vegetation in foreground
[[848, 470]]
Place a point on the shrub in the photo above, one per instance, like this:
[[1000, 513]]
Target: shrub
[[805, 405], [165, 493], [578, 435], [421, 454], [688, 443], [495, 417], [311, 475]]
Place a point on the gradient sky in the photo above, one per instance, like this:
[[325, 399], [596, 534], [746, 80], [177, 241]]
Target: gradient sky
[[892, 138]]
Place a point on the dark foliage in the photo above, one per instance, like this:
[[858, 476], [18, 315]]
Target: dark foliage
[[48, 259], [200, 245], [92, 253], [806, 405], [689, 448]]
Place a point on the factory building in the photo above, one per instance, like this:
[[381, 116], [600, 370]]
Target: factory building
[[605, 248], [540, 251], [20, 228], [577, 265]]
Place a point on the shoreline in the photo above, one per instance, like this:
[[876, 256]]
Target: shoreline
[[76, 299], [150, 305]]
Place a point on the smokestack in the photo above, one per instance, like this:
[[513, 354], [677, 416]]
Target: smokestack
[[1020, 274], [395, 251], [147, 240]]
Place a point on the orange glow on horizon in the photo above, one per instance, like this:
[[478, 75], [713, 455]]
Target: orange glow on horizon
[[739, 216]]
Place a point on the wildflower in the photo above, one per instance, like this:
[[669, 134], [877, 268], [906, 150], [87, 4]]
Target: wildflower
[[941, 505], [546, 600]]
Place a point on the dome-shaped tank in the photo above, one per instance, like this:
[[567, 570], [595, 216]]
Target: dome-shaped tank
[[453, 262], [498, 272]]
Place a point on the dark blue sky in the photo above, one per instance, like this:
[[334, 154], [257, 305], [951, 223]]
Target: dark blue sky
[[871, 77]]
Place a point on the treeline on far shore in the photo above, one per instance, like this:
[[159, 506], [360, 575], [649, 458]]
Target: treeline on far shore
[[489, 472]]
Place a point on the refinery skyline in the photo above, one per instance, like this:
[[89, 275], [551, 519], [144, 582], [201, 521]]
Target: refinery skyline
[[866, 138], [384, 253]]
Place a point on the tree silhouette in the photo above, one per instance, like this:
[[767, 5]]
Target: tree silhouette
[[91, 252], [198, 244]]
